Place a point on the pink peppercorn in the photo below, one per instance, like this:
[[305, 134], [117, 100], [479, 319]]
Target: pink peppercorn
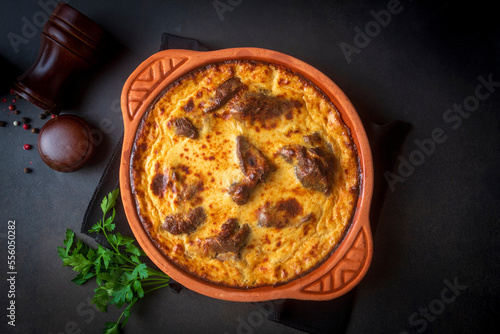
[[12, 107], [27, 147], [4, 100], [26, 126]]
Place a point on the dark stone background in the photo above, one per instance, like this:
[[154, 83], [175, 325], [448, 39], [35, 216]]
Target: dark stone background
[[439, 225]]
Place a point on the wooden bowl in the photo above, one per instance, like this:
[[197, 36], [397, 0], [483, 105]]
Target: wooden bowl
[[347, 265]]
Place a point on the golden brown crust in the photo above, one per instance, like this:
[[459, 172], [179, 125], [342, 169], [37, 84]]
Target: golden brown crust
[[243, 174]]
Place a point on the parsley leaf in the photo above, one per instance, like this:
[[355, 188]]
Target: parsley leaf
[[108, 202], [110, 328], [82, 278], [121, 276]]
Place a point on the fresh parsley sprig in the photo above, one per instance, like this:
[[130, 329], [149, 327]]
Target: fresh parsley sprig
[[121, 277]]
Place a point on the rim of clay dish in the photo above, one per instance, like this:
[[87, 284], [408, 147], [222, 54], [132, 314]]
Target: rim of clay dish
[[350, 261]]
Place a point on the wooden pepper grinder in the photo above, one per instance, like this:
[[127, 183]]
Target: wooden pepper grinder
[[71, 43]]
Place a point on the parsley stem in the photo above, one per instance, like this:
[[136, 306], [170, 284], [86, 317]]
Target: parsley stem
[[115, 247], [145, 284], [129, 306], [154, 278], [127, 268], [159, 275], [154, 281], [156, 288], [153, 272]]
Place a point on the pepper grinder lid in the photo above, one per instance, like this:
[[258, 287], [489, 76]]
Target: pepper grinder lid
[[65, 143]]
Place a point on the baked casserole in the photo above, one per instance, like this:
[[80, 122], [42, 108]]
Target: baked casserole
[[244, 174]]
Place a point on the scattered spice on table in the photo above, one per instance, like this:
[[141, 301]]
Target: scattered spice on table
[[16, 123], [25, 120], [35, 130], [27, 147], [28, 170], [26, 126], [17, 112], [2, 124], [12, 107], [42, 116]]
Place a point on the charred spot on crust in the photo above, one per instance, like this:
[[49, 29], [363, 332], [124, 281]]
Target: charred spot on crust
[[226, 91], [189, 105], [231, 239], [255, 168], [314, 168], [280, 214], [314, 139], [179, 223], [283, 81], [260, 107], [290, 207], [184, 128], [177, 181], [163, 181], [159, 185], [188, 191]]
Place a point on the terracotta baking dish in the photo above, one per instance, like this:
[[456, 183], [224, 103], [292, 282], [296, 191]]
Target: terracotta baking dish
[[348, 264]]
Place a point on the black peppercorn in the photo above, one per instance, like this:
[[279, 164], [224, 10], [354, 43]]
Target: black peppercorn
[[17, 112], [2, 124], [27, 170], [25, 120], [35, 130]]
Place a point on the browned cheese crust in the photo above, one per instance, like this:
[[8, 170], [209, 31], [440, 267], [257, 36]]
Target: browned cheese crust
[[244, 174]]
